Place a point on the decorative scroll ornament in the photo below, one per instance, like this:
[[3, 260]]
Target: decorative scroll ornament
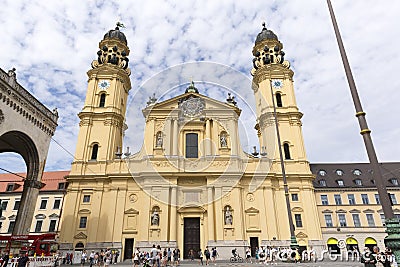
[[192, 107]]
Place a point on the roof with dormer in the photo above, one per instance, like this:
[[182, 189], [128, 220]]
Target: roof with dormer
[[349, 173], [50, 179]]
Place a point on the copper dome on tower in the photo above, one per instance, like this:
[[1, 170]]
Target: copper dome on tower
[[116, 34], [265, 34]]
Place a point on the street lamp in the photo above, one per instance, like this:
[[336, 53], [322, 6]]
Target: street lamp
[[293, 241], [392, 224]]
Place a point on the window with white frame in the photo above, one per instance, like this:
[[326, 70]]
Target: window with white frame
[[342, 220], [328, 220], [364, 198], [356, 220], [57, 204], [38, 226], [43, 204], [352, 199], [370, 220]]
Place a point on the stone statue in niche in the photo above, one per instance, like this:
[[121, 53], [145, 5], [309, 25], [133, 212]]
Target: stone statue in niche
[[222, 140], [228, 216], [159, 139], [155, 218]]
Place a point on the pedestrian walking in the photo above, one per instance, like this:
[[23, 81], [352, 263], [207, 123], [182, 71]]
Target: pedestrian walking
[[23, 260], [214, 254], [248, 255], [83, 258], [368, 258], [208, 255], [6, 258], [200, 257]]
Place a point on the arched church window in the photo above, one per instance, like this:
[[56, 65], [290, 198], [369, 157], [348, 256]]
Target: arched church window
[[192, 147], [278, 100], [95, 149], [102, 100], [159, 139], [223, 139], [286, 150]]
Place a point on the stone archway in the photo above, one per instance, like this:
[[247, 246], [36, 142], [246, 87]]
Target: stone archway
[[26, 128]]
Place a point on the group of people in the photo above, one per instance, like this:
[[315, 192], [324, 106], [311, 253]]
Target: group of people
[[210, 255], [99, 258], [269, 255], [375, 258], [157, 257]]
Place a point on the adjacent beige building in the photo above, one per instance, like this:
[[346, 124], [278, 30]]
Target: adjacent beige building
[[191, 185], [348, 203], [49, 204]]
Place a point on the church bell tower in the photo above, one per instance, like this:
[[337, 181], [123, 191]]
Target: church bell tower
[[103, 115], [273, 85]]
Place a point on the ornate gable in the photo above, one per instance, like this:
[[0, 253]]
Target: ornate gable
[[80, 236]]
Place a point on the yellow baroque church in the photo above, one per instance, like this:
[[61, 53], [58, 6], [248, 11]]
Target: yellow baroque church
[[191, 185]]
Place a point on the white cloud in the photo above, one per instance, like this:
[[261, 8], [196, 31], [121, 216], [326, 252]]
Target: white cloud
[[52, 44]]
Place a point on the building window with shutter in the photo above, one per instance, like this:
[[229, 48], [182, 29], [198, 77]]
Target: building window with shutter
[[192, 147]]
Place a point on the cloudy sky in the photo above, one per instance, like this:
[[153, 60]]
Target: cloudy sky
[[52, 43]]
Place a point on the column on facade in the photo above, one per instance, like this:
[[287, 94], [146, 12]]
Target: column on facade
[[215, 145], [233, 136], [175, 135], [150, 129], [210, 213], [168, 137], [173, 222], [269, 209], [208, 137], [219, 233]]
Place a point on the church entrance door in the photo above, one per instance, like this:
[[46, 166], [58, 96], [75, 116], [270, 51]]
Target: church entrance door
[[191, 237], [128, 249]]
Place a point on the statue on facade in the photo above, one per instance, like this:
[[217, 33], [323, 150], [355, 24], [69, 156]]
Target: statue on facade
[[223, 141], [155, 218], [228, 216], [159, 139], [12, 77]]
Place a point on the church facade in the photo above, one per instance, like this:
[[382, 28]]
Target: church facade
[[191, 185]]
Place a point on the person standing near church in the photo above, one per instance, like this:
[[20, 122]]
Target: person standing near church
[[23, 260]]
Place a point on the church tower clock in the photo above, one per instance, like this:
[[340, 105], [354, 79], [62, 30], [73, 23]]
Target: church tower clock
[[102, 117]]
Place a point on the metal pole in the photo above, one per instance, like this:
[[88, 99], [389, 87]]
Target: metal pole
[[293, 241], [365, 131], [392, 224]]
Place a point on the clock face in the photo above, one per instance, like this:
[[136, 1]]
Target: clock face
[[277, 83], [104, 84]]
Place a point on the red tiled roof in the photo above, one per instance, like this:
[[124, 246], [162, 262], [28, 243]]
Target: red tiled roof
[[51, 179]]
